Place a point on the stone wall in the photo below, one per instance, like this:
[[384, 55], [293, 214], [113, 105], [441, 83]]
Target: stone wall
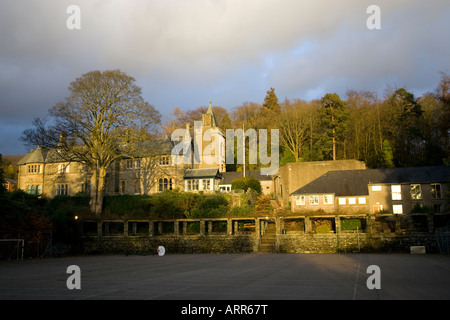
[[302, 234], [353, 243]]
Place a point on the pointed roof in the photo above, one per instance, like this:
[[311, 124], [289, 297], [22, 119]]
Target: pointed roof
[[37, 155], [213, 117]]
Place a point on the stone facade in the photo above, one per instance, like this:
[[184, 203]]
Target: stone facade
[[45, 172]]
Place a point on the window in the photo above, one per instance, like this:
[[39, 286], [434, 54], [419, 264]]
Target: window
[[376, 188], [300, 201], [34, 168], [137, 187], [397, 209], [416, 192], [129, 164], [164, 161], [63, 168], [31, 189], [38, 190], [137, 164], [165, 184], [362, 200], [327, 199], [436, 191], [437, 208], [351, 200], [378, 208], [396, 191], [122, 187], [62, 189], [342, 201], [206, 184], [313, 200]]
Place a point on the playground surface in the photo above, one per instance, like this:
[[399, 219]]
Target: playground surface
[[229, 277]]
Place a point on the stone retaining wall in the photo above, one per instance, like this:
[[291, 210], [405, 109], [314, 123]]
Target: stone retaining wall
[[243, 235]]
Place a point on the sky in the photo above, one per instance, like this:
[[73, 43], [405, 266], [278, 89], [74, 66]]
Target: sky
[[186, 53]]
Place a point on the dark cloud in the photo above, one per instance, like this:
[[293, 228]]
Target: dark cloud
[[184, 53]]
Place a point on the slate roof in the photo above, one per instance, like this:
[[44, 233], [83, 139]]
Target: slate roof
[[355, 182], [37, 155], [202, 173], [228, 177]]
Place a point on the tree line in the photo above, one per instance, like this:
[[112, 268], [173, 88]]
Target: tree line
[[397, 130]]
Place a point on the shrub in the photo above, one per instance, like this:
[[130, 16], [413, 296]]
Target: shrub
[[350, 224], [246, 183]]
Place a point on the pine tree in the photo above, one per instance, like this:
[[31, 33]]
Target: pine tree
[[271, 101]]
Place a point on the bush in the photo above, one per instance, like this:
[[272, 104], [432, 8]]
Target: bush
[[350, 224], [323, 228], [246, 183], [211, 206]]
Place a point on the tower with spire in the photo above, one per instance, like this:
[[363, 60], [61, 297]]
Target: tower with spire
[[209, 122]]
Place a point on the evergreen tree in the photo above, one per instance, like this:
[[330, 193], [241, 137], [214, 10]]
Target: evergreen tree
[[271, 101], [334, 116]]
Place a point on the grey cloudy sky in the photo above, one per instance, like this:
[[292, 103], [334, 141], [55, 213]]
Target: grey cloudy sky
[[185, 53]]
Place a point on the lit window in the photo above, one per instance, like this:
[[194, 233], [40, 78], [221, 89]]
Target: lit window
[[416, 192], [342, 201], [397, 208], [376, 188], [351, 200], [396, 192], [362, 200]]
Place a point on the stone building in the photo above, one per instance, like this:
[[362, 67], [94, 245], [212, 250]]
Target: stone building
[[44, 171], [397, 190]]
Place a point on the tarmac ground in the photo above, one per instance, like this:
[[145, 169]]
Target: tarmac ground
[[229, 277]]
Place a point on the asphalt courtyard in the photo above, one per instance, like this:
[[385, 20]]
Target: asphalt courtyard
[[229, 277]]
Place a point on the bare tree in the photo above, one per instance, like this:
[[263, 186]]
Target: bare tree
[[103, 119], [294, 125]]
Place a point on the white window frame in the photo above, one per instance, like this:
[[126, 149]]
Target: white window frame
[[300, 200], [376, 188], [362, 200], [314, 200], [351, 200], [397, 209], [342, 201], [327, 199], [396, 191]]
